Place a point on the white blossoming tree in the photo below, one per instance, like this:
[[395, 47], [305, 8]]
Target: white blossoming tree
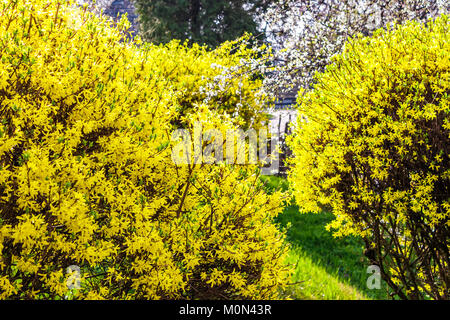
[[307, 33], [96, 5]]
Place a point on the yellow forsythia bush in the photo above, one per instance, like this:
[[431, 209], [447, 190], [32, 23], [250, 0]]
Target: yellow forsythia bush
[[372, 144], [91, 204], [217, 78]]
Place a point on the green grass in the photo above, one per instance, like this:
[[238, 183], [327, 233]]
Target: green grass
[[326, 267], [313, 282]]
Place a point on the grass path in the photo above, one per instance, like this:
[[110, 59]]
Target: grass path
[[326, 267], [315, 283]]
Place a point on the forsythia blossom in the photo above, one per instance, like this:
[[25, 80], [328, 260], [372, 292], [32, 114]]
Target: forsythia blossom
[[86, 174]]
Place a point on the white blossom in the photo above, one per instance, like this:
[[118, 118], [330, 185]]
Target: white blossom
[[305, 34]]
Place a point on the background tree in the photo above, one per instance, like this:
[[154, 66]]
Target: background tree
[[96, 6], [209, 22], [307, 33]]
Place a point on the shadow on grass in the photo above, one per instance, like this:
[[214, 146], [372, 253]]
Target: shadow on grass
[[342, 258]]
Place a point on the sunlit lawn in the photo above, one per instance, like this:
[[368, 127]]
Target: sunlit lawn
[[325, 267]]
